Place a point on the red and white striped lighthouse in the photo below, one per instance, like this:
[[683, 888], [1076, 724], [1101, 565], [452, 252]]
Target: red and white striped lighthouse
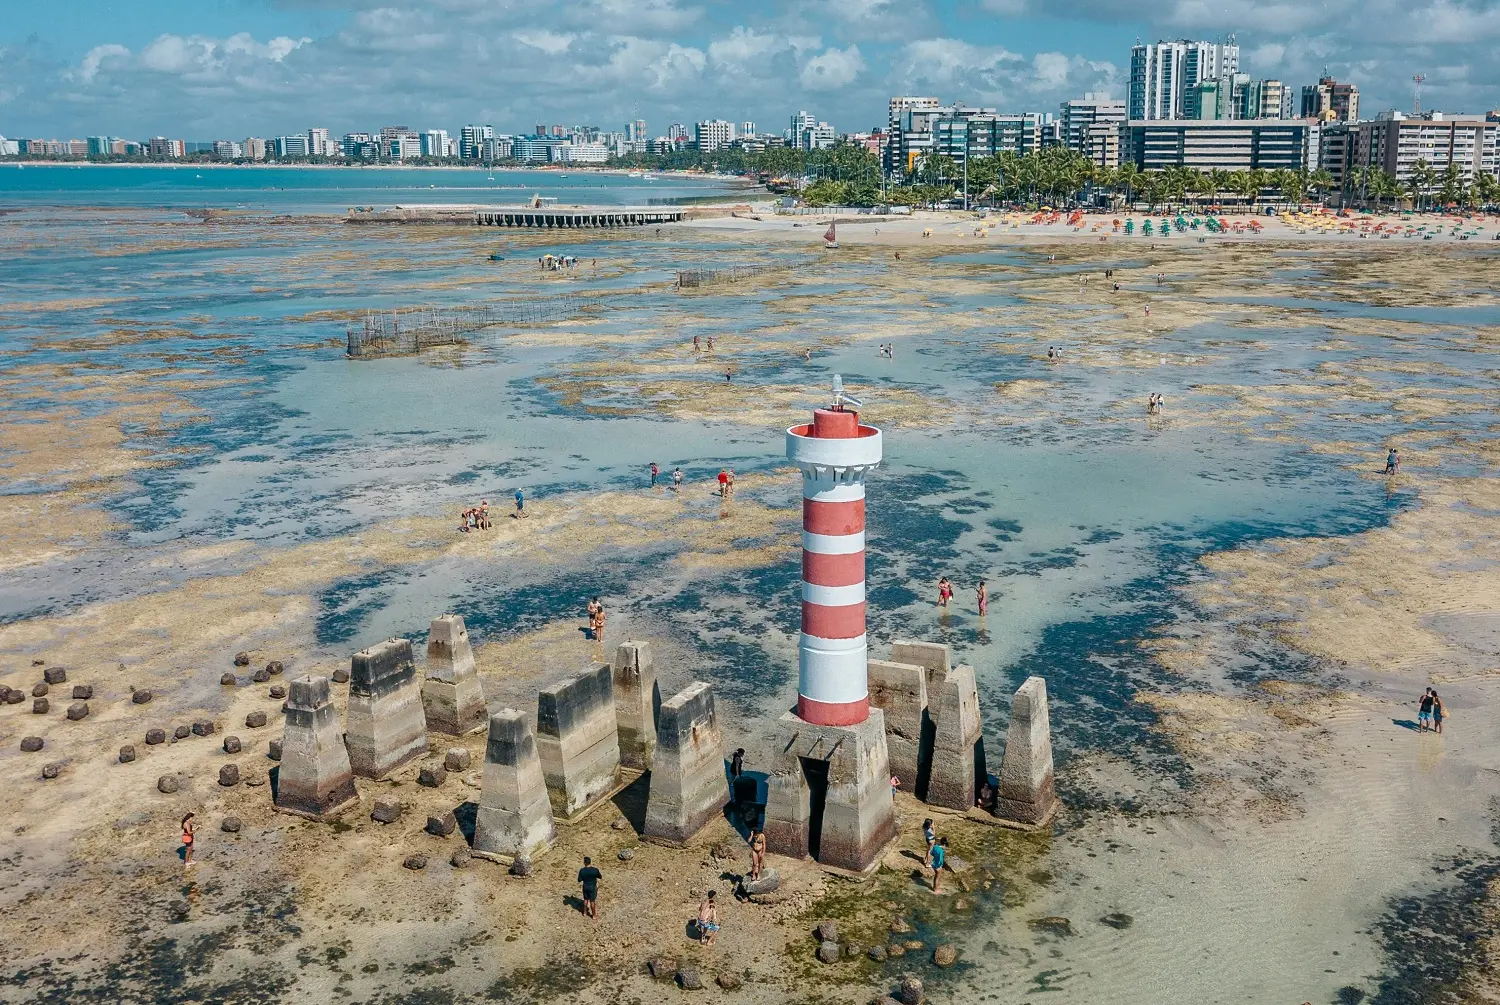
[[834, 452]]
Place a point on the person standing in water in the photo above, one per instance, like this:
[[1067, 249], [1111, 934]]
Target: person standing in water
[[676, 479], [982, 597], [654, 472], [1392, 461], [945, 591], [1424, 712], [939, 857], [1439, 713]]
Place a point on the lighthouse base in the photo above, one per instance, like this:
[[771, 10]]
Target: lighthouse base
[[829, 793]]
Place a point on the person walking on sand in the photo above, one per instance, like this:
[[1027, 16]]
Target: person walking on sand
[[930, 837], [1439, 713], [945, 591], [589, 877], [484, 514], [729, 485], [520, 504], [723, 483], [982, 598], [1424, 712], [654, 472], [676, 479], [757, 853], [1392, 461], [188, 830], [939, 857], [708, 920], [697, 343]]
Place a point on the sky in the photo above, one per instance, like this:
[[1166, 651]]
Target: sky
[[209, 69]]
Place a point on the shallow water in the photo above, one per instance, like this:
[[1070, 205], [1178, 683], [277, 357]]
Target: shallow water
[[1084, 525]]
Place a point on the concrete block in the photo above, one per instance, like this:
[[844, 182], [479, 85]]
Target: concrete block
[[934, 657], [315, 779], [957, 767], [451, 698], [577, 740], [386, 726], [1027, 792], [900, 691], [847, 766], [688, 785], [515, 816], [637, 703]]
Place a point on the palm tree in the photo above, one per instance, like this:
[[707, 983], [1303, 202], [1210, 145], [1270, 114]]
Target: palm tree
[[1422, 179], [1127, 178], [1320, 181], [1453, 186], [1215, 181]]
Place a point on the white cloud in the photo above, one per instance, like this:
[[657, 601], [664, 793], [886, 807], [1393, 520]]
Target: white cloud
[[96, 58], [833, 69], [549, 42]]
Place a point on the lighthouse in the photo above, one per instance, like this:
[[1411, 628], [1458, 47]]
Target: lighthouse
[[829, 795], [834, 452]]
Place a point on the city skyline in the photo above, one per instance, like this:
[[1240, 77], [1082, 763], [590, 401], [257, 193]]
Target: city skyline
[[252, 68]]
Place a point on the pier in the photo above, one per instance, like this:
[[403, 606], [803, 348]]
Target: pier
[[578, 217]]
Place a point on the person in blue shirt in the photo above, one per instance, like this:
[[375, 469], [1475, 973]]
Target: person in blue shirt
[[939, 855], [520, 504]]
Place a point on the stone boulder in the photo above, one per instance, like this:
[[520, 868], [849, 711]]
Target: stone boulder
[[140, 697], [278, 692], [442, 824], [877, 953], [39, 706], [41, 690], [203, 727], [689, 979], [432, 774], [52, 770], [274, 667], [241, 659], [260, 676], [910, 991], [230, 825], [155, 736], [15, 696], [521, 866], [228, 679], [769, 882], [55, 675], [273, 750], [255, 720], [461, 857], [83, 692], [827, 931], [386, 811], [232, 745], [167, 784], [662, 968], [415, 861], [182, 732], [127, 754], [456, 759], [341, 676], [229, 775], [895, 949], [78, 710], [728, 981], [31, 744], [829, 952], [945, 955]]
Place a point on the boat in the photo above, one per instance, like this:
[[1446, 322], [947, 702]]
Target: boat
[[830, 238], [497, 257]]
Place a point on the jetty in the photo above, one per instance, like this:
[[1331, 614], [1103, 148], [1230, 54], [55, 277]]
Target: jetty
[[544, 217]]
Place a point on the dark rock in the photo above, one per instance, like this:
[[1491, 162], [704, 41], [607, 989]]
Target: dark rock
[[83, 692], [415, 861], [277, 691], [828, 952], [728, 981], [386, 811], [203, 727], [140, 697], [15, 696], [55, 675], [877, 953], [910, 991], [40, 691], [52, 770], [521, 866], [182, 732], [625, 854], [461, 857], [255, 720], [31, 744], [431, 774], [178, 911], [274, 667], [228, 679], [441, 824], [155, 736], [341, 676], [273, 750], [167, 784], [39, 706], [241, 659], [827, 931], [1052, 925], [945, 955], [229, 775], [689, 980], [231, 744], [662, 968], [456, 759], [1117, 921], [78, 710], [230, 825], [260, 676], [127, 754], [900, 926]]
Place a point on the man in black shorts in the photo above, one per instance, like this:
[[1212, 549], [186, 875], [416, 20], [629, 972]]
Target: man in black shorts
[[590, 877]]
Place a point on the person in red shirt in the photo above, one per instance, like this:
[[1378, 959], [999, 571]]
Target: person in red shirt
[[723, 483]]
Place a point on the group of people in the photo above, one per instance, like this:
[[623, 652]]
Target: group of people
[[475, 517], [556, 263], [596, 619], [937, 852], [1431, 712], [1392, 461], [726, 482], [1154, 402], [981, 594], [698, 343], [888, 350], [1054, 352]]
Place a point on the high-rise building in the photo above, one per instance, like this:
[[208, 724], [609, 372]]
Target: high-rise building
[[291, 147], [471, 141], [893, 161], [711, 134], [254, 148], [1262, 99], [1079, 115], [747, 128], [1395, 142], [1330, 101], [318, 143], [800, 124], [677, 132], [1229, 145], [1161, 74], [160, 147], [434, 143], [635, 131]]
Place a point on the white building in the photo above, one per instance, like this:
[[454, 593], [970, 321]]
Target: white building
[[579, 153], [801, 123], [1161, 74], [496, 148], [471, 140], [254, 148], [712, 134], [747, 129], [291, 147], [434, 143], [1079, 116], [1394, 142], [161, 147], [318, 143], [9, 148]]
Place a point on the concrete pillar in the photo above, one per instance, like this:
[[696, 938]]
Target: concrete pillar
[[577, 739], [514, 815], [637, 703], [386, 725], [957, 751], [688, 784], [314, 778], [845, 765], [1027, 793], [451, 697], [900, 691]]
